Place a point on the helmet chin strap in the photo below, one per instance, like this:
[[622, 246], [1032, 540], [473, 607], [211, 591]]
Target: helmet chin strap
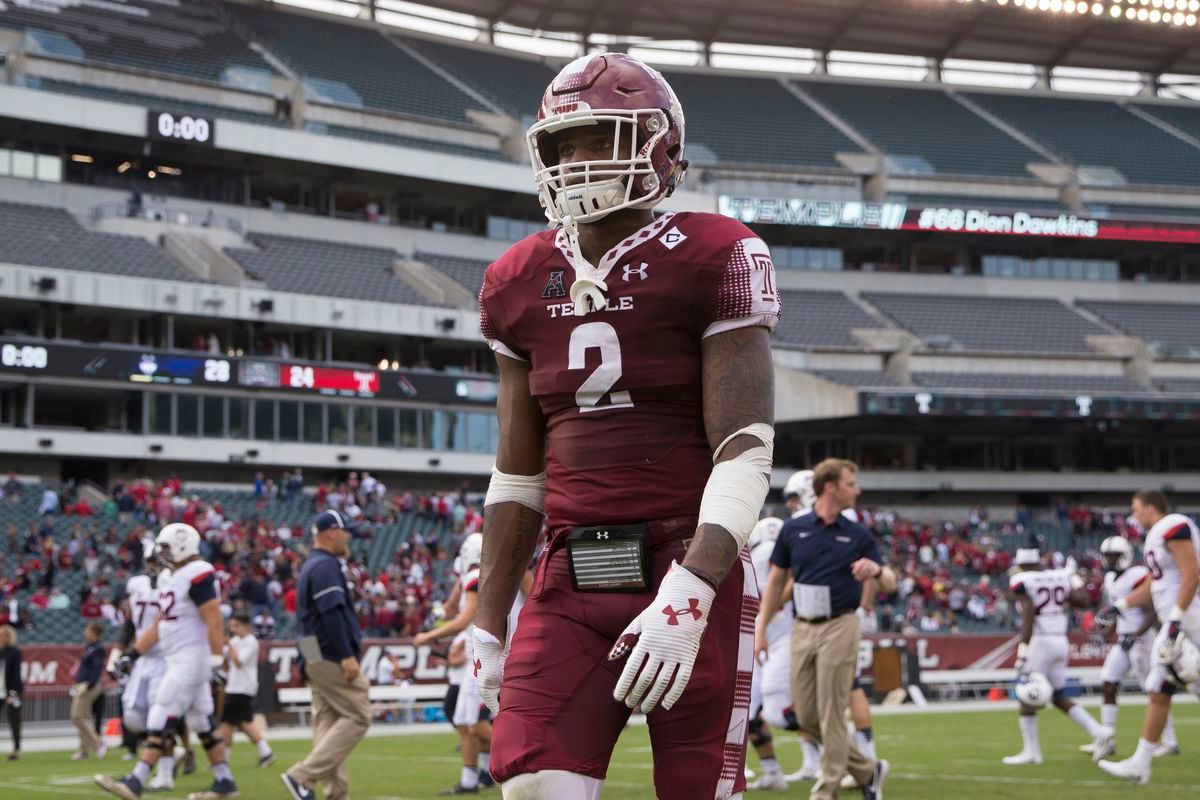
[[587, 292]]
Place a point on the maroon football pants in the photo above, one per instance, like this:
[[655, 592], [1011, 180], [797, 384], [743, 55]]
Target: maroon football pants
[[557, 711]]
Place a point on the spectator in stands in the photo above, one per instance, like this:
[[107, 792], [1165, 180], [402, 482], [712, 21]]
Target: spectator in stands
[[49, 502], [12, 488], [295, 484], [85, 691], [260, 486], [12, 688]]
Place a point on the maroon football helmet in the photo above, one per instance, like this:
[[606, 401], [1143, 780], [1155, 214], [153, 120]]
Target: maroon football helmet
[[638, 101]]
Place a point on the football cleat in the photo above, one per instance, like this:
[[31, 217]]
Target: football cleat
[[458, 788], [1105, 744], [1126, 769], [801, 775], [1023, 757], [161, 783], [773, 781], [266, 760], [189, 762], [127, 788], [296, 789], [1165, 749], [1087, 748], [750, 774], [874, 789], [219, 790]]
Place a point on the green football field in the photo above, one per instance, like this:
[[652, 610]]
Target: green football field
[[952, 755]]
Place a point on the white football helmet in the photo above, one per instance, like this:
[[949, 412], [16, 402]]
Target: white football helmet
[[767, 530], [1034, 690], [801, 484], [1181, 662], [177, 542], [471, 551], [1118, 546]]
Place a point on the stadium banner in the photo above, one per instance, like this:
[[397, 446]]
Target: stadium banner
[[981, 403], [860, 215], [972, 651], [50, 665], [175, 368]]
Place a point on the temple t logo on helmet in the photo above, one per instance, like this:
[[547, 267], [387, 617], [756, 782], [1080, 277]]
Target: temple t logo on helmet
[[640, 105]]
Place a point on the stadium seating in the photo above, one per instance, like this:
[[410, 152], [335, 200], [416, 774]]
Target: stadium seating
[[311, 266], [514, 84], [1185, 118], [50, 237], [1101, 134], [859, 378], [357, 66], [432, 145], [756, 121], [1024, 382], [189, 39], [820, 319], [988, 324], [1179, 385], [1172, 327], [174, 105], [466, 271], [926, 123]]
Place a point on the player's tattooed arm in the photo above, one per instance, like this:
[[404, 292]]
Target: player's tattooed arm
[[510, 530], [1028, 614], [739, 390]]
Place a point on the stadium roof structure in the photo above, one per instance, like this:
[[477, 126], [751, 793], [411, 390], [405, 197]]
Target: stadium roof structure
[[1098, 38]]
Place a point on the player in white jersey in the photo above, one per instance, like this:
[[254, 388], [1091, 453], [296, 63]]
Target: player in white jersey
[[474, 729], [1135, 639], [188, 632], [141, 593], [778, 635], [1172, 553], [1044, 597]]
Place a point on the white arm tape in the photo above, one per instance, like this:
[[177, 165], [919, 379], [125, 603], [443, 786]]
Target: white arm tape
[[528, 490], [737, 488]]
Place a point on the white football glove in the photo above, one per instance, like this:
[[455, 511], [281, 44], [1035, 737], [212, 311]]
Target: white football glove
[[662, 639], [488, 667]]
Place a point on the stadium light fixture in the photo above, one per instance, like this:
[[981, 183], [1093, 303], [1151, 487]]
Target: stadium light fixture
[[124, 167], [80, 158]]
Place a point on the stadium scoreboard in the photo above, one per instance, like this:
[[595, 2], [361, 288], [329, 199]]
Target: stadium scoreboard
[[158, 367]]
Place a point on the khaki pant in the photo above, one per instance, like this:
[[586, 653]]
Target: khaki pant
[[81, 715], [823, 658], [341, 715]]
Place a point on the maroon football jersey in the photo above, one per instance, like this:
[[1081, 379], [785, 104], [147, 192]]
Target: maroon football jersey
[[621, 388]]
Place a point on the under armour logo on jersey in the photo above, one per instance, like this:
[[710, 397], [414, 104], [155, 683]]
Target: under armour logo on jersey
[[478, 666], [554, 286], [693, 609], [602, 535], [672, 238], [640, 271]]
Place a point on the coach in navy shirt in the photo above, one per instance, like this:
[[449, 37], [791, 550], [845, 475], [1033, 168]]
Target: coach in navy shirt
[[827, 557], [331, 647]]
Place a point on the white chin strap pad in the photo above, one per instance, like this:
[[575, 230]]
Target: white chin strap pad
[[737, 489], [528, 490], [552, 784]]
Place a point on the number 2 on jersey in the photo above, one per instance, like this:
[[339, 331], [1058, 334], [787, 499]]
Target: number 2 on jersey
[[605, 376], [166, 602]]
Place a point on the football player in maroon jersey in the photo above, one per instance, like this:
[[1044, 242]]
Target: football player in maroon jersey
[[636, 407]]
